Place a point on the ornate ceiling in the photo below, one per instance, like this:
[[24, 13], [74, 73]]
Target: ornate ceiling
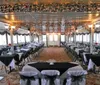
[[47, 1], [48, 21]]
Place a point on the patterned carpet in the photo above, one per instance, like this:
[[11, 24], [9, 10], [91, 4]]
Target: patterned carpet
[[52, 53]]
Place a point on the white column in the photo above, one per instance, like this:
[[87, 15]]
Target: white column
[[91, 39], [11, 35], [82, 37], [17, 38], [40, 38], [74, 37], [31, 37], [6, 39], [66, 38], [69, 37], [25, 38]]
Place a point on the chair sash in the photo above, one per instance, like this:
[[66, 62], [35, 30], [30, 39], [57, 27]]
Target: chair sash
[[50, 78], [77, 78], [74, 80], [28, 78]]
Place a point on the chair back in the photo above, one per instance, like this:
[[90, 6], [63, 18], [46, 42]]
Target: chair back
[[29, 76], [50, 77], [76, 76]]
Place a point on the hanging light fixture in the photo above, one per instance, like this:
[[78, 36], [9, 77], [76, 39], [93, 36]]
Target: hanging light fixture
[[97, 26], [90, 26]]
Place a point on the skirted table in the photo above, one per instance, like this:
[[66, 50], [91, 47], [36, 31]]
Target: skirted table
[[61, 66]]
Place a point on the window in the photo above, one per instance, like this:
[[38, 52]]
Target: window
[[95, 37], [84, 38], [28, 38], [22, 39], [80, 38], [14, 38], [62, 38], [98, 39], [19, 39], [9, 39], [3, 41], [71, 38], [88, 37], [76, 37], [55, 37], [51, 37], [44, 38], [36, 39]]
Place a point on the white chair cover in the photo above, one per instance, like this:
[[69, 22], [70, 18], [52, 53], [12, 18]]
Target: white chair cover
[[29, 73], [29, 78], [84, 57], [20, 55], [1, 63], [12, 64], [33, 62], [76, 76], [30, 68], [90, 65], [54, 74]]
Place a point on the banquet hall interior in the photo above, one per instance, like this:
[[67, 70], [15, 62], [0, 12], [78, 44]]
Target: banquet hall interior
[[49, 42]]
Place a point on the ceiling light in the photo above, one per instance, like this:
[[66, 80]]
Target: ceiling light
[[77, 31], [6, 16], [12, 17], [13, 27], [6, 26], [90, 26], [97, 26], [97, 15], [28, 31]]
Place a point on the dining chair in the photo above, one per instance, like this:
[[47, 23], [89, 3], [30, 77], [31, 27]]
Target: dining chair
[[29, 76], [50, 77], [76, 76]]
